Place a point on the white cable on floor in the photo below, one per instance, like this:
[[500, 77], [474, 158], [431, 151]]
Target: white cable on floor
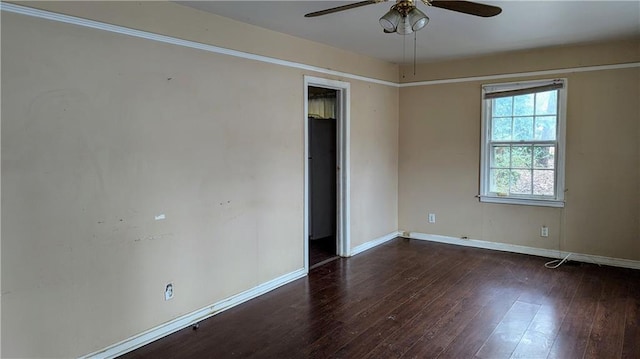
[[556, 262]]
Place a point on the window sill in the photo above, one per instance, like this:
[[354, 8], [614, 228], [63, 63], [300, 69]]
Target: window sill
[[522, 201]]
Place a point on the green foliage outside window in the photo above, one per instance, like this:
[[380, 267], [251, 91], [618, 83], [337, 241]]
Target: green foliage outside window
[[520, 164]]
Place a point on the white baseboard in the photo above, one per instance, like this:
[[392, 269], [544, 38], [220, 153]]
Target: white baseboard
[[184, 321], [550, 253], [187, 320], [373, 243]]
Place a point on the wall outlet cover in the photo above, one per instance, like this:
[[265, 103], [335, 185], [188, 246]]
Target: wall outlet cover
[[544, 231]]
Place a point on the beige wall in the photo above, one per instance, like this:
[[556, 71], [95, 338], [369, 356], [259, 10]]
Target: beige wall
[[102, 132], [167, 18], [439, 156], [551, 58], [374, 156]]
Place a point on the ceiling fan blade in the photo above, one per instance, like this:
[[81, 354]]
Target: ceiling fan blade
[[342, 8], [468, 7]]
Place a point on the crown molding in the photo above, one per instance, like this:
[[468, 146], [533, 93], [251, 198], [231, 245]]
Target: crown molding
[[48, 15], [523, 74], [43, 14]]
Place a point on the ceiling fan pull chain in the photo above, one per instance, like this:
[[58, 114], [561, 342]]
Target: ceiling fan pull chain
[[415, 46], [404, 51]]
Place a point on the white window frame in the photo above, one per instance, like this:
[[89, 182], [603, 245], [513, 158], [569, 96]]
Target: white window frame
[[485, 194]]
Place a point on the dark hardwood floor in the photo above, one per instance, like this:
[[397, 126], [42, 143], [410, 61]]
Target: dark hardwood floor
[[416, 299], [322, 250]]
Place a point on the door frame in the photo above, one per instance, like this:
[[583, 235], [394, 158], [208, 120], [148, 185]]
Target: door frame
[[343, 99]]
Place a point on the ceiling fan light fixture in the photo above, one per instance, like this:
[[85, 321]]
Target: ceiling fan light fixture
[[390, 20], [417, 19], [404, 27]]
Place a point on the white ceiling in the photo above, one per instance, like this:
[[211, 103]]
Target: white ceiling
[[521, 25]]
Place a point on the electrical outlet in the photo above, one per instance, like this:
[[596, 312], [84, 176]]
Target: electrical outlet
[[168, 292], [544, 231], [432, 218]]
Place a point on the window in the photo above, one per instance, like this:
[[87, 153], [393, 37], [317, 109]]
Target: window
[[523, 127]]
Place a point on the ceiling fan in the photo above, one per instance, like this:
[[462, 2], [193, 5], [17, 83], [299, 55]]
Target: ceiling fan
[[404, 17]]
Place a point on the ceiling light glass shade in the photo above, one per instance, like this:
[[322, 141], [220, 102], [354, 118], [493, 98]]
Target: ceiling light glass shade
[[404, 27], [417, 19], [390, 20]]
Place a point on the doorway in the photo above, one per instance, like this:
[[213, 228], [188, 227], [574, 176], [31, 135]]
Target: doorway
[[326, 171], [323, 175]]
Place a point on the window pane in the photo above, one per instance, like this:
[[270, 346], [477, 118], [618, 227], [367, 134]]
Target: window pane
[[523, 105], [521, 142], [501, 129], [523, 128], [547, 103], [500, 181], [545, 128], [544, 157], [502, 106], [521, 157], [521, 181], [543, 182], [501, 156]]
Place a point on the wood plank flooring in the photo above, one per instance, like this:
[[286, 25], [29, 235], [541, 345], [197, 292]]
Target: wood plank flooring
[[321, 250], [416, 299]]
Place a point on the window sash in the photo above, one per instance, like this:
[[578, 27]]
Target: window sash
[[487, 161], [531, 168]]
